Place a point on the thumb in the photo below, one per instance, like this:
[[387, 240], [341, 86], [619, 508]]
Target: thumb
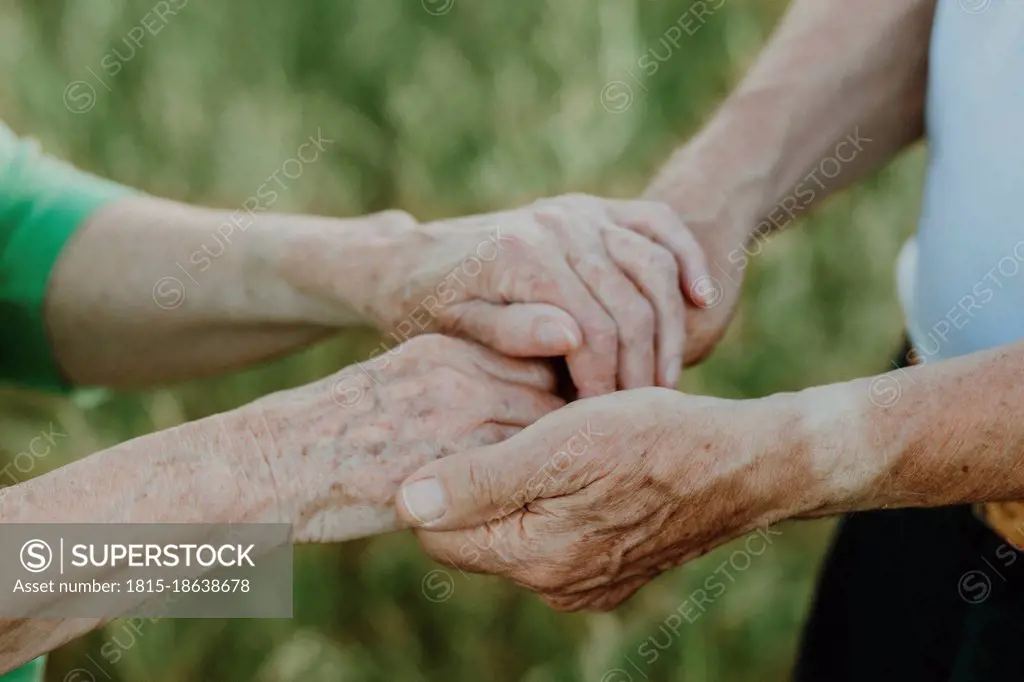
[[471, 488], [521, 330]]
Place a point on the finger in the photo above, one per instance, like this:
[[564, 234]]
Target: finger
[[472, 487], [543, 276], [523, 330], [653, 270], [659, 223], [533, 373], [516, 405], [633, 314]]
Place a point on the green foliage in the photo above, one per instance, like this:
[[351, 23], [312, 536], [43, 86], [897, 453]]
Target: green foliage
[[483, 106]]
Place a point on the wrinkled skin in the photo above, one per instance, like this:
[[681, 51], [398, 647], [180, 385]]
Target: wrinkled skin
[[595, 500], [335, 451], [599, 281]]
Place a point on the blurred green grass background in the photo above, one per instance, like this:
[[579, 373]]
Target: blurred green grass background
[[442, 107]]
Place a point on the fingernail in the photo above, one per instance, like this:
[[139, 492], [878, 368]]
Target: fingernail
[[672, 372], [705, 291], [698, 297], [424, 500], [551, 333]]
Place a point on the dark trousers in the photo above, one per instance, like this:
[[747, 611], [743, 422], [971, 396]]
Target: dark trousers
[[916, 595]]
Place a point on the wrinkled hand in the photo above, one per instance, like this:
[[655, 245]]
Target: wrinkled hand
[[599, 281], [596, 499], [335, 450]]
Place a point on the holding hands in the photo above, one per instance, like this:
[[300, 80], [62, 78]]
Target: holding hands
[[585, 505]]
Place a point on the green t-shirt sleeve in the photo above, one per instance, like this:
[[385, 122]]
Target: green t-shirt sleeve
[[30, 672], [42, 202]]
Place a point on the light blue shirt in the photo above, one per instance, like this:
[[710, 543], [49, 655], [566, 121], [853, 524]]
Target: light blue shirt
[[962, 279]]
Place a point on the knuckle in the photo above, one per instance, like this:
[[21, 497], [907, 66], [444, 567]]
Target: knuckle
[[397, 218], [635, 211], [559, 224], [535, 281], [663, 264], [542, 242], [586, 203], [522, 239], [603, 335], [666, 212], [591, 264], [642, 320], [660, 213], [549, 207]]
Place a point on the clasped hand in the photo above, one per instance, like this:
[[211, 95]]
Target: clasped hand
[[599, 497], [594, 499]]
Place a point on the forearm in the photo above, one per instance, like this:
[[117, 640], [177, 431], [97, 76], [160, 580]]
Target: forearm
[[250, 465], [184, 475], [834, 71], [938, 434], [151, 290], [253, 465]]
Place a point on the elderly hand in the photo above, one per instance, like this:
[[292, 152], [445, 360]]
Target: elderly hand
[[333, 452], [596, 499], [599, 281]]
